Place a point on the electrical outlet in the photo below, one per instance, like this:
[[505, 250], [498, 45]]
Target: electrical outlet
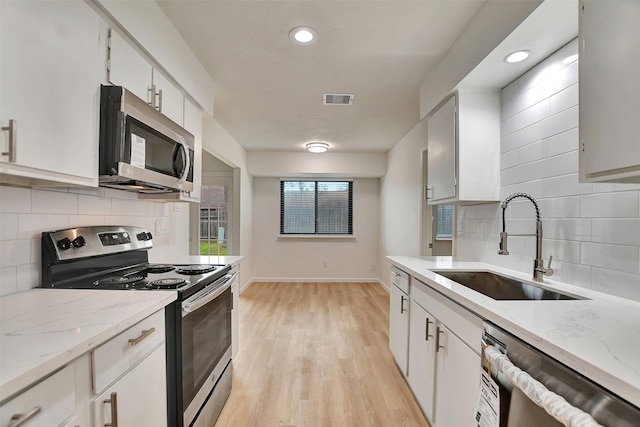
[[372, 267], [324, 264]]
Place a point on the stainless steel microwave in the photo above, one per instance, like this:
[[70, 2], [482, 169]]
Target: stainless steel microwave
[[142, 150]]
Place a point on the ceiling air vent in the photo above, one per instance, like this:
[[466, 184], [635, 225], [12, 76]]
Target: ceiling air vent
[[337, 99]]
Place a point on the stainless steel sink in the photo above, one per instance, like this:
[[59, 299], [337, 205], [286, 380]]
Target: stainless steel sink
[[502, 288]]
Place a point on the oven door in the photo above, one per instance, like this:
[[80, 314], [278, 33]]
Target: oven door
[[206, 343]]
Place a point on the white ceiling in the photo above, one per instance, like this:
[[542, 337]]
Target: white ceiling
[[269, 90]]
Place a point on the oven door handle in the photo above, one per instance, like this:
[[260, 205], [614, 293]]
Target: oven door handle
[[198, 300]]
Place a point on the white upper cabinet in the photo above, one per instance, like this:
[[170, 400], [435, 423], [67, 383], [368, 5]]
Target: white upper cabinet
[[193, 123], [126, 67], [609, 86], [49, 80], [463, 149]]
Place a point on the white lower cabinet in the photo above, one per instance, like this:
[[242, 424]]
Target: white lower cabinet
[[137, 399], [399, 327], [129, 377], [457, 381], [422, 357], [441, 353]]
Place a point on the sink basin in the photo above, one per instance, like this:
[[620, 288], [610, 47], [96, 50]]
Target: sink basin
[[502, 288]]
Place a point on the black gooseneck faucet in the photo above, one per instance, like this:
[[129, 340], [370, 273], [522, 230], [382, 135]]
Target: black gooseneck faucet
[[539, 270]]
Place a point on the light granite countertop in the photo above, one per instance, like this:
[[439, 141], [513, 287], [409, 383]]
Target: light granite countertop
[[598, 337], [42, 330]]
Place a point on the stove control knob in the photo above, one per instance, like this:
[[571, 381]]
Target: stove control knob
[[149, 236], [142, 236], [79, 242], [64, 244]]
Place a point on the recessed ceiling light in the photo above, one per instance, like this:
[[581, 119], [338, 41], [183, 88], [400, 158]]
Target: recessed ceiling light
[[317, 147], [303, 35], [517, 56], [570, 59]]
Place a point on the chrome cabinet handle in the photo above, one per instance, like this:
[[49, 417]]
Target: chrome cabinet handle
[[13, 136], [394, 273], [151, 95], [438, 332], [426, 332], [159, 105], [114, 410], [428, 193], [143, 335], [402, 310], [18, 420]]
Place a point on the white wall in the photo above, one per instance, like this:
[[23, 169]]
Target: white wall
[[300, 164], [217, 141], [301, 259], [400, 198], [592, 230], [25, 213]]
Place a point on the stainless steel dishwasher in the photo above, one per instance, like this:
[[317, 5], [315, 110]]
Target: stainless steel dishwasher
[[526, 375]]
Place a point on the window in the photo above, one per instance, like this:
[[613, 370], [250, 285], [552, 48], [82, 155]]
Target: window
[[214, 220], [316, 207], [444, 222]]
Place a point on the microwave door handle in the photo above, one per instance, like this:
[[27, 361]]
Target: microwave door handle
[[186, 161]]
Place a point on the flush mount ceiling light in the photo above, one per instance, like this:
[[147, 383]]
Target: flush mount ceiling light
[[517, 56], [303, 35], [317, 147]]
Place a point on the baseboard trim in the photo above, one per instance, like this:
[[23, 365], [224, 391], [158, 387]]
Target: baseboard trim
[[313, 280]]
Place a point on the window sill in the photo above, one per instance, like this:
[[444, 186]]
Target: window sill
[[317, 236]]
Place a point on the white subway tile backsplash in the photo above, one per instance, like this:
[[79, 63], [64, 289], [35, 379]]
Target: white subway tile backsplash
[[522, 137], [560, 165], [626, 285], [616, 231], [124, 207], [28, 276], [561, 122], [85, 220], [509, 160], [533, 114], [530, 153], [15, 199], [560, 207], [8, 280], [615, 257], [14, 252], [94, 205], [610, 205], [509, 125], [592, 230], [30, 226], [562, 142], [566, 185], [567, 229], [8, 226], [564, 100], [53, 202]]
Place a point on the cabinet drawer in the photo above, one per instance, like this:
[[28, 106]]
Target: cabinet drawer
[[55, 397], [400, 279], [459, 320], [118, 355]]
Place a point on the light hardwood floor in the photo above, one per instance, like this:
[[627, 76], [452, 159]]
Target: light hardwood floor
[[317, 354]]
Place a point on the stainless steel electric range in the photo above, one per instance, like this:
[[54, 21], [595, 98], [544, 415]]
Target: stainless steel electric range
[[198, 324]]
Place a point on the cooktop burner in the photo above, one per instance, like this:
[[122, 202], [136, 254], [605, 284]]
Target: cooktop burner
[[160, 268], [168, 283], [195, 269], [119, 281]]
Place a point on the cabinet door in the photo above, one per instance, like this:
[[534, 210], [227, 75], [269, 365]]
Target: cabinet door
[[399, 327], [193, 123], [609, 90], [457, 381], [141, 395], [128, 68], [441, 151], [49, 80], [422, 357], [168, 99]]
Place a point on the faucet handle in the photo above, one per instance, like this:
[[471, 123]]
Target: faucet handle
[[503, 244], [549, 271]]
